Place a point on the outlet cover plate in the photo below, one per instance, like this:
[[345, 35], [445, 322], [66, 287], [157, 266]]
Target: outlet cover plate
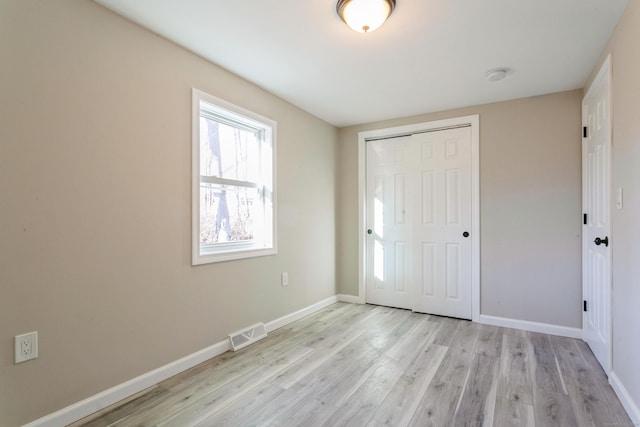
[[26, 347]]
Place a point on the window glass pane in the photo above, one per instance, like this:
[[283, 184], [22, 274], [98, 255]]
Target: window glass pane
[[228, 152], [228, 213]]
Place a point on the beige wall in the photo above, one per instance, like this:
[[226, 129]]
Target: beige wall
[[530, 206], [95, 210], [625, 246], [95, 206]]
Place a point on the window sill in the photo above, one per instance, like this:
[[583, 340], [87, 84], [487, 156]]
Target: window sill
[[211, 258]]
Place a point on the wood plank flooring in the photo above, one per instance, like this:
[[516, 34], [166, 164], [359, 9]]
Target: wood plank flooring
[[364, 365]]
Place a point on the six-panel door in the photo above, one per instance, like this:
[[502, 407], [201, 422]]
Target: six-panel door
[[442, 253], [389, 219], [596, 258]]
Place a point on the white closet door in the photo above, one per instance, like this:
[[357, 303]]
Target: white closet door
[[388, 273], [419, 222], [442, 230]]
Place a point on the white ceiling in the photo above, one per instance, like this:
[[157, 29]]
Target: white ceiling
[[431, 55]]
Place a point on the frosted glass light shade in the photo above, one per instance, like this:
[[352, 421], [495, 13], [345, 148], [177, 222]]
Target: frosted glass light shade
[[365, 16]]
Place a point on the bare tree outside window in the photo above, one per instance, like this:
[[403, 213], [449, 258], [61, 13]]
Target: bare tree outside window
[[227, 210]]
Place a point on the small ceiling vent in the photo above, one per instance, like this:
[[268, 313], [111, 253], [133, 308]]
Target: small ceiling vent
[[247, 336]]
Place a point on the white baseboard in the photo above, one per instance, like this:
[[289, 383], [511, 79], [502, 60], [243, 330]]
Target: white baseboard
[[350, 299], [629, 405], [115, 394], [288, 318], [526, 325], [95, 403]]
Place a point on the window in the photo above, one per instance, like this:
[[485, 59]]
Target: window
[[233, 198]]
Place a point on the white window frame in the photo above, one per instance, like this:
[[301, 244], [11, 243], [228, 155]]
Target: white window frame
[[236, 116]]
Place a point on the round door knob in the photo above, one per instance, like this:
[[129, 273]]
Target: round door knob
[[465, 234], [369, 231], [600, 241]]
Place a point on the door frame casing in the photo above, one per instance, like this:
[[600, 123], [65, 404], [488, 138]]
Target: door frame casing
[[474, 122]]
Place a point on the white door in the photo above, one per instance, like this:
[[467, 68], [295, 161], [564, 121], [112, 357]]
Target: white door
[[418, 250], [441, 233], [596, 236], [389, 175]]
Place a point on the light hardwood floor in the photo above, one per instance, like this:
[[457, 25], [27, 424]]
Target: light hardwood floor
[[363, 365]]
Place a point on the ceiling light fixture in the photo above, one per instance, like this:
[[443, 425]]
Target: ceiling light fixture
[[495, 75], [365, 16]]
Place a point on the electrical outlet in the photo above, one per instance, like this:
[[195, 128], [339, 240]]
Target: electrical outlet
[[284, 279], [26, 347]]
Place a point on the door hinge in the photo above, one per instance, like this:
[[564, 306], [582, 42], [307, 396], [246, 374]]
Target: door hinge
[[585, 132], [584, 305], [584, 219]]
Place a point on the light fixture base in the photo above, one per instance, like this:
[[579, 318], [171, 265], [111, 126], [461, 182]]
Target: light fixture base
[[365, 16]]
